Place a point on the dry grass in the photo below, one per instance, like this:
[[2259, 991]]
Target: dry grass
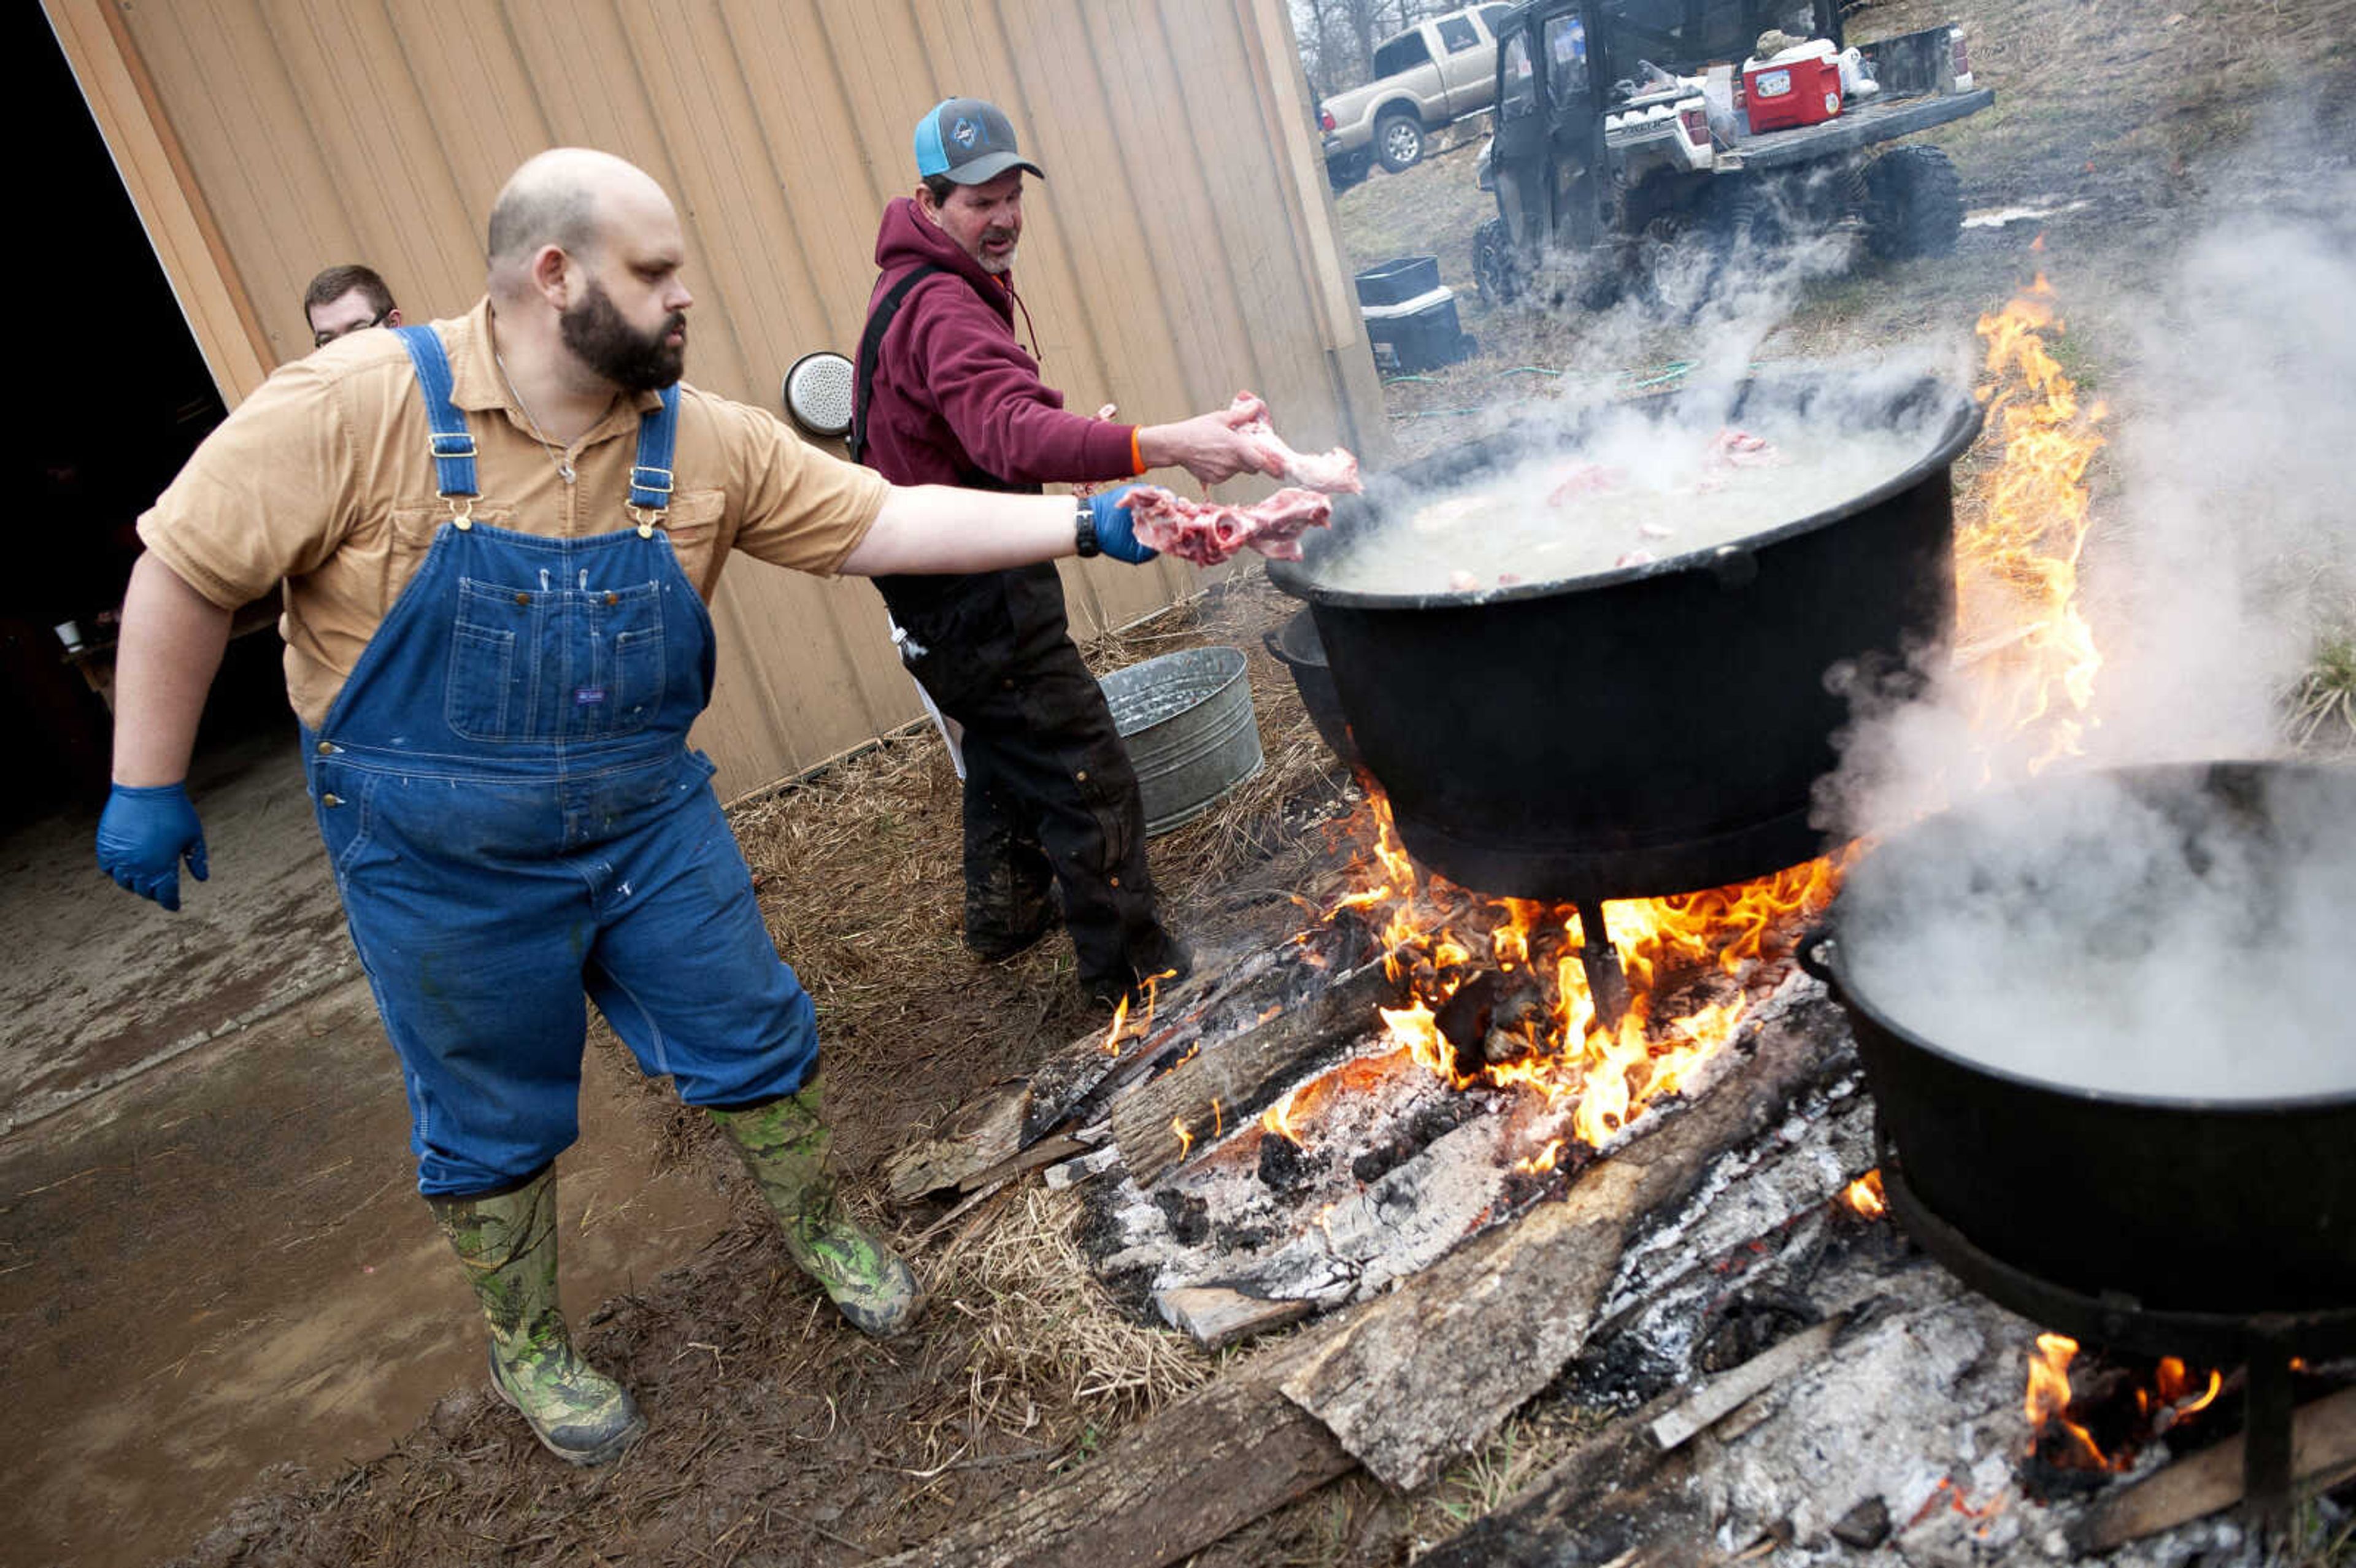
[[2321, 715]]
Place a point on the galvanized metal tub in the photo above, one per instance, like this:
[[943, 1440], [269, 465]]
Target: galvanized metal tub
[[1186, 719]]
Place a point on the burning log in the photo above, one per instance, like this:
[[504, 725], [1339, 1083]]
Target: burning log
[[1513, 1306], [978, 1143], [1226, 1085], [2323, 1453], [1517, 1303]]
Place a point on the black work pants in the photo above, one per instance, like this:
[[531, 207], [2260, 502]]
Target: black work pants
[[1050, 796]]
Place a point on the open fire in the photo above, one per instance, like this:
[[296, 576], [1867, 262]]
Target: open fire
[[1497, 992]]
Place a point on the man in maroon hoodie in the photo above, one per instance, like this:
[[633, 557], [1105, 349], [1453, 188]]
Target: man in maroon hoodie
[[946, 394]]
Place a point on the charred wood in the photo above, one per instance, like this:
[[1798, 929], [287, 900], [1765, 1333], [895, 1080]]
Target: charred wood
[[1228, 1082], [2323, 1455], [1062, 1093], [1516, 1303], [1207, 1465]]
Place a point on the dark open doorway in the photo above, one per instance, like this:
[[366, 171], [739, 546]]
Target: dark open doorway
[[117, 397]]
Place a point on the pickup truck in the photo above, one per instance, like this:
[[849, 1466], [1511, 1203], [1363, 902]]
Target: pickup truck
[[1433, 74]]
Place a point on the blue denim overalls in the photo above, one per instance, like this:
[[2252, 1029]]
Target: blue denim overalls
[[514, 815]]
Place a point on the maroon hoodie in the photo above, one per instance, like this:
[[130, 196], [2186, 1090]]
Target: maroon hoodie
[[955, 399]]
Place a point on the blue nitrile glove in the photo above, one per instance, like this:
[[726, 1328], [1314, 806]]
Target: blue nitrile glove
[[1115, 529], [141, 835]]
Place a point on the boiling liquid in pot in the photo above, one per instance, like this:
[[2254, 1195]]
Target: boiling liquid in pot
[[1632, 492], [2094, 937]]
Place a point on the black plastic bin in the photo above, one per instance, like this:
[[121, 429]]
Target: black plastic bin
[[1425, 340], [1396, 281]]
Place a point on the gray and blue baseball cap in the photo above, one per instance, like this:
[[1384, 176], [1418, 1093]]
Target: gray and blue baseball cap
[[969, 141]]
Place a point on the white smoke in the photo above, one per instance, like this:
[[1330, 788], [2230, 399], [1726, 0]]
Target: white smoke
[[2076, 934], [2233, 453]]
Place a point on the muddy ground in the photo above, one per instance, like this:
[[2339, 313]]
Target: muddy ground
[[213, 1265]]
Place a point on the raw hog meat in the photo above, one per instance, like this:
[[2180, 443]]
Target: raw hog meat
[[1209, 532], [1334, 471], [1732, 448]]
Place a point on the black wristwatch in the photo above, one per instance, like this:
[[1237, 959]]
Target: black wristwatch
[[1085, 536]]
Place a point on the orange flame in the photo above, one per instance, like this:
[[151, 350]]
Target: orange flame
[[1864, 1196], [1278, 1118], [2047, 1401], [1186, 1137], [2029, 653], [2030, 663], [2175, 1394], [1557, 1048]]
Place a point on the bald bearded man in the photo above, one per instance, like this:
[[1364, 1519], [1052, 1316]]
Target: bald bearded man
[[499, 535]]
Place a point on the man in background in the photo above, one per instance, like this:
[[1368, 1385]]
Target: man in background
[[347, 299], [946, 394]]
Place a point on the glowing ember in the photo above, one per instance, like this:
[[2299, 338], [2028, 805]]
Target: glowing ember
[[2031, 656], [1278, 1118], [1864, 1196]]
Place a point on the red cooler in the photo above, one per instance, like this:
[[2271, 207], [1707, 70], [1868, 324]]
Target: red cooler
[[1789, 90]]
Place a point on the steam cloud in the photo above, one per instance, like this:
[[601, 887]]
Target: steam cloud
[[2080, 937]]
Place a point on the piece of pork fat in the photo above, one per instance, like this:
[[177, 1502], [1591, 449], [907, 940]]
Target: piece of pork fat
[[1209, 532], [1334, 471]]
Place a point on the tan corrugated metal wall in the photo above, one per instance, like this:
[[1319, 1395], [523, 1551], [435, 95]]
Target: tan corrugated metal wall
[[1182, 249]]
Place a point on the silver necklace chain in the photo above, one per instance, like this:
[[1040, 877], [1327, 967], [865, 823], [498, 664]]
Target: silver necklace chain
[[556, 453]]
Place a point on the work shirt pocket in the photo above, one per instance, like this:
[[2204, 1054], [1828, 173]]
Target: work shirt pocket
[[694, 527], [539, 664]]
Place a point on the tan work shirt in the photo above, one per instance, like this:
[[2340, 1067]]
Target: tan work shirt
[[323, 478]]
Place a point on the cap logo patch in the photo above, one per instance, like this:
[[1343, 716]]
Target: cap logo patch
[[964, 133]]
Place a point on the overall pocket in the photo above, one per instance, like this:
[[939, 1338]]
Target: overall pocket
[[538, 663]]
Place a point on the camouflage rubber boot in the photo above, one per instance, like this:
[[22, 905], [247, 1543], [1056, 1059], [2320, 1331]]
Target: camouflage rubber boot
[[784, 1143], [508, 1242]]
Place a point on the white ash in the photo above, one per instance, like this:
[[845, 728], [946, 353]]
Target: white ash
[[1803, 1164], [1920, 1409], [1333, 1237]]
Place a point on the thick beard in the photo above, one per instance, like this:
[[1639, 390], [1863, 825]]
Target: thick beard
[[634, 361]]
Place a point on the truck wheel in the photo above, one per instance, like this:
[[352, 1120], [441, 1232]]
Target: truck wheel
[[1399, 142], [1496, 272], [1913, 203]]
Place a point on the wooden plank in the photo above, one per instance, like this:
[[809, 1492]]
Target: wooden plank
[[1514, 1306], [1209, 1464], [1239, 1078], [1215, 1317], [995, 1127], [1246, 1444], [1616, 1500], [2323, 1454], [983, 1132], [115, 78], [1722, 1395]]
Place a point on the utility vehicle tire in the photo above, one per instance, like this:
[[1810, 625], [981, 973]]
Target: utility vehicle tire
[[1399, 142], [1496, 271], [1745, 223], [1913, 203]]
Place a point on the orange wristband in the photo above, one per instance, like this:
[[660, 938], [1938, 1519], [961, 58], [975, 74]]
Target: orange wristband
[[1136, 457]]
